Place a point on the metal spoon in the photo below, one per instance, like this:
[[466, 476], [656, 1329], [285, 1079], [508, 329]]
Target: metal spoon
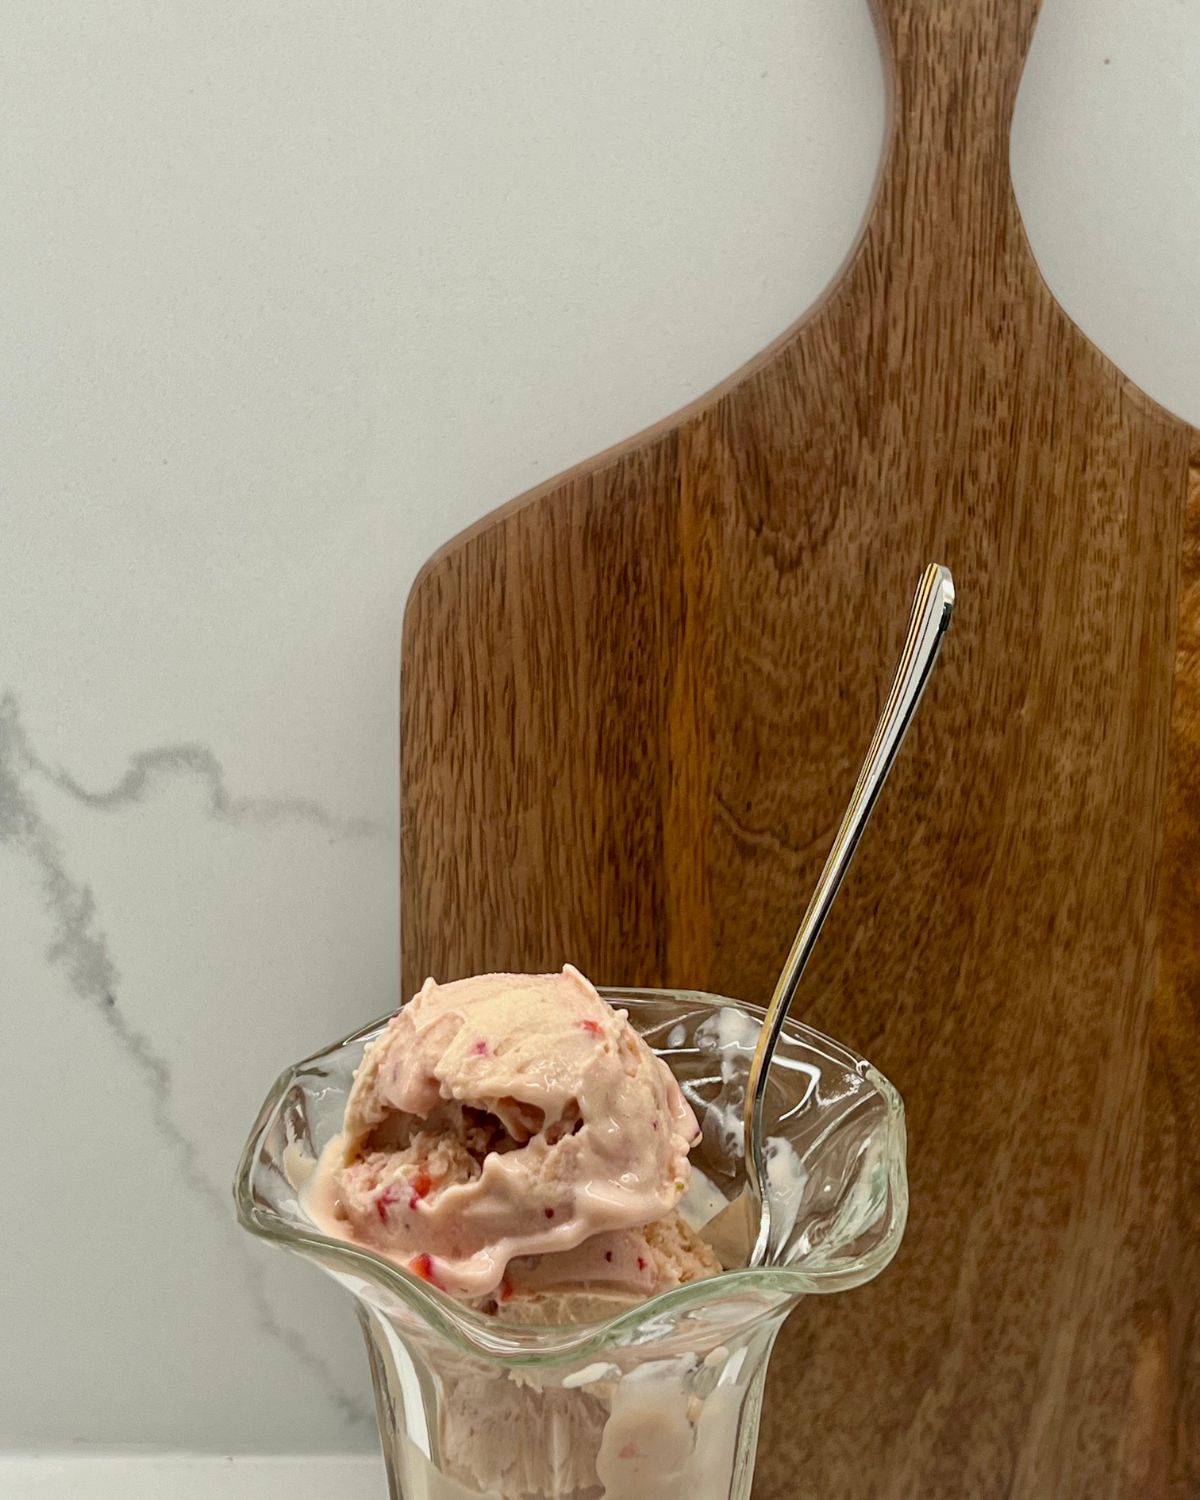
[[741, 1233]]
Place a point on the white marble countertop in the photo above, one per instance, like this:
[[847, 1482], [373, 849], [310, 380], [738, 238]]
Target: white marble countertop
[[191, 1477]]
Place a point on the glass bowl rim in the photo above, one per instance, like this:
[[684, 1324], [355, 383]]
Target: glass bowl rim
[[543, 1344]]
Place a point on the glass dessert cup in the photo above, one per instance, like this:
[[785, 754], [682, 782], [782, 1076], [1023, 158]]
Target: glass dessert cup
[[661, 1398]]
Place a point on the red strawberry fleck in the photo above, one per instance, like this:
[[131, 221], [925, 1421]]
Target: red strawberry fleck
[[385, 1201], [480, 1049], [608, 1255], [421, 1184], [422, 1266], [549, 1212], [641, 1262], [506, 1290], [630, 1450], [593, 1028]]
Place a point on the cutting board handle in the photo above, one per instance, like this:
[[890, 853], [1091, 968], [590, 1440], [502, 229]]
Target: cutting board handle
[[954, 68]]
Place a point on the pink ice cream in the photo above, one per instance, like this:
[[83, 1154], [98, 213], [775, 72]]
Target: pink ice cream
[[512, 1140]]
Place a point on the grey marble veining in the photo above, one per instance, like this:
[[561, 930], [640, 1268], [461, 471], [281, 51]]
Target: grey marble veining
[[81, 950], [148, 769]]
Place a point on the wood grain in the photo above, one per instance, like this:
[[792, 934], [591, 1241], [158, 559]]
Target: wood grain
[[633, 704], [1161, 1451]]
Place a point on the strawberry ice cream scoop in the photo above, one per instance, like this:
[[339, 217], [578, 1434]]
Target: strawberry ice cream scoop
[[506, 1116]]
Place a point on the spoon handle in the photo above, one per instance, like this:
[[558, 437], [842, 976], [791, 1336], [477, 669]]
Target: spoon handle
[[931, 612]]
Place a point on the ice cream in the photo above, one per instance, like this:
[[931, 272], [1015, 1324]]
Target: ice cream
[[513, 1141]]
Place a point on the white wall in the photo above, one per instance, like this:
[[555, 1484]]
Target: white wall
[[288, 294]]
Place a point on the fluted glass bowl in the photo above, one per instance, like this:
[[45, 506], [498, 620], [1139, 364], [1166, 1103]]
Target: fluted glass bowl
[[661, 1398]]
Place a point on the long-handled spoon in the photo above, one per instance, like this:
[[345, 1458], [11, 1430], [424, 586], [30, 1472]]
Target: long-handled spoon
[[741, 1233]]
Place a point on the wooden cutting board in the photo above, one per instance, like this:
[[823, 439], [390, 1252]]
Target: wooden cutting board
[[634, 702]]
